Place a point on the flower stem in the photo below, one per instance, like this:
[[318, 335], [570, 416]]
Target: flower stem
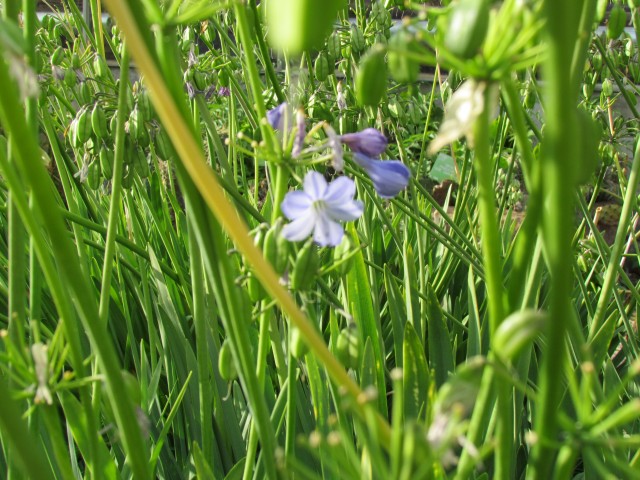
[[488, 218], [116, 190], [558, 162], [491, 241]]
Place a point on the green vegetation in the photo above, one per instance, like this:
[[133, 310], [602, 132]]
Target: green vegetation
[[264, 239]]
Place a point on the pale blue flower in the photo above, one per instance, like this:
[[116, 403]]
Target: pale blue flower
[[318, 208], [389, 177], [369, 142]]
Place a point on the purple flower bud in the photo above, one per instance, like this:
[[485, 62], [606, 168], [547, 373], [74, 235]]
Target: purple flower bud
[[275, 116], [389, 177], [192, 60], [301, 133], [210, 92], [224, 91], [369, 142]]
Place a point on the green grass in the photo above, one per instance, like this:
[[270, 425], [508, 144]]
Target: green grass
[[446, 340]]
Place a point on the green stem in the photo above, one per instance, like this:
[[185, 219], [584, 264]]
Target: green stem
[[261, 367], [491, 243], [282, 174], [116, 190], [558, 162], [11, 10], [96, 20], [264, 51], [488, 219], [253, 74], [527, 235], [112, 222], [289, 446]]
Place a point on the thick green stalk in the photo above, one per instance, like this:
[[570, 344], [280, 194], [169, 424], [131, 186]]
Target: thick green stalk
[[490, 237], [558, 162], [11, 9], [490, 233]]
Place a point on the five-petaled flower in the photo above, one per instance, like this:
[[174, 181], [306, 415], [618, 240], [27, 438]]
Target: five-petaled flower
[[319, 207]]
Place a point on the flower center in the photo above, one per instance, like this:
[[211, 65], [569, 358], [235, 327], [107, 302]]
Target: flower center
[[319, 205]]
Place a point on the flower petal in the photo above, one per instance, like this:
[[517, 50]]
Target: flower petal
[[327, 232], [315, 185], [295, 204], [345, 212], [389, 177], [275, 116], [339, 201], [342, 189], [300, 228]]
